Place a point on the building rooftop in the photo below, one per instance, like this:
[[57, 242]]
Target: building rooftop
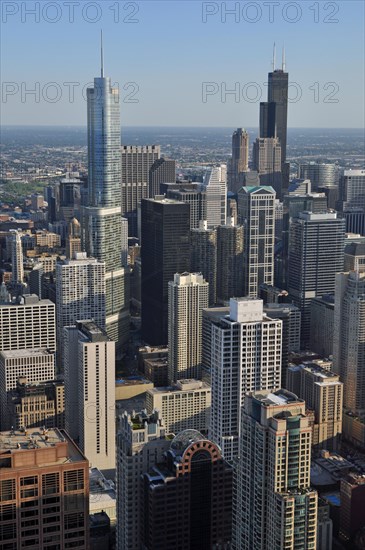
[[318, 370], [317, 216], [279, 397], [184, 439], [13, 442], [354, 172], [132, 381], [92, 331], [181, 386], [356, 479], [163, 199], [32, 352], [102, 491], [27, 300], [254, 189]]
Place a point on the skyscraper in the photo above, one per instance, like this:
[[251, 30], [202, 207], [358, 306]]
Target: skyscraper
[[102, 217], [239, 161], [188, 294], [320, 174], [165, 251], [17, 269], [136, 161], [256, 212], [274, 114], [293, 204], [351, 201], [230, 262], [192, 194], [80, 294], [352, 190], [316, 254], [214, 189], [203, 243], [267, 119], [188, 497], [267, 162], [141, 443], [349, 338], [90, 392], [323, 393], [29, 323], [162, 171], [291, 318], [278, 93], [322, 313], [274, 506], [245, 356]]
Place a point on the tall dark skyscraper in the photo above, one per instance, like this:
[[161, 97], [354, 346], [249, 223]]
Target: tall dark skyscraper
[[239, 161], [274, 113], [165, 232], [136, 161], [102, 216], [162, 171], [188, 498], [316, 254]]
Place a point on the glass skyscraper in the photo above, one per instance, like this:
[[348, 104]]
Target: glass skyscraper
[[102, 218]]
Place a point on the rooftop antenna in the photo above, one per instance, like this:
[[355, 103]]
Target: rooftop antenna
[[273, 58], [283, 60], [101, 54]]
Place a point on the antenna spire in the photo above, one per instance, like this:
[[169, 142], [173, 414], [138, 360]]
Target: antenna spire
[[273, 58], [283, 60], [101, 54]]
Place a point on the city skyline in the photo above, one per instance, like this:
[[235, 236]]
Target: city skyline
[[182, 312], [187, 85]]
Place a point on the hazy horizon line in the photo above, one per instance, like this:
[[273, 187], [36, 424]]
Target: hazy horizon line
[[179, 126]]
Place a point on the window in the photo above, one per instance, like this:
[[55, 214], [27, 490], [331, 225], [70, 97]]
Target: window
[[73, 480], [7, 489], [50, 483]]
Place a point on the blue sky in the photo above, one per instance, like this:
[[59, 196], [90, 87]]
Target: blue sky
[[166, 57]]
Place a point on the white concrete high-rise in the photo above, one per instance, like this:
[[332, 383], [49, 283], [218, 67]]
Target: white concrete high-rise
[[274, 506], [29, 323], [256, 212], [89, 356], [17, 269], [245, 357], [80, 293], [188, 296], [214, 190]]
